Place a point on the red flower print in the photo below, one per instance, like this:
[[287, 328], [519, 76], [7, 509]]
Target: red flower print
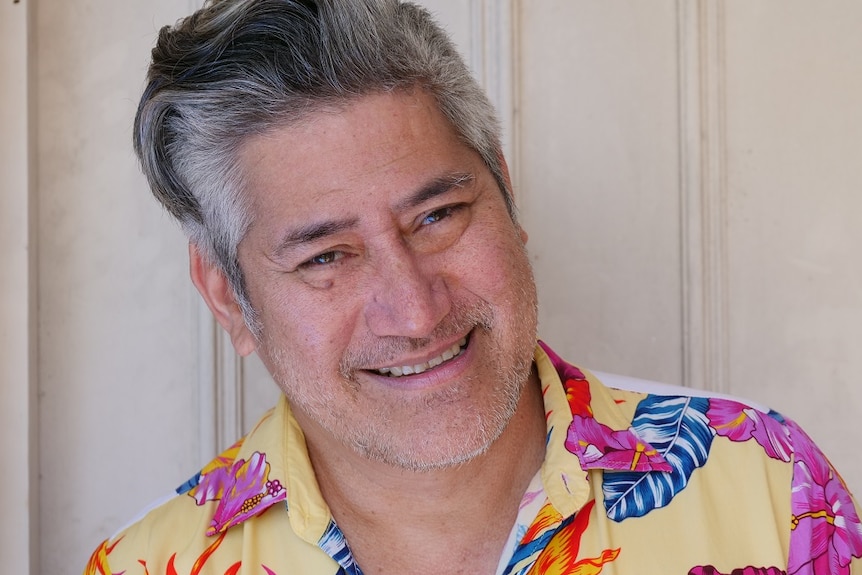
[[574, 382], [198, 566], [547, 518], [578, 396], [560, 556], [98, 563]]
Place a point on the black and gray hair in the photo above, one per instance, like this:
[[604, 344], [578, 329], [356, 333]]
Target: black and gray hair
[[238, 68]]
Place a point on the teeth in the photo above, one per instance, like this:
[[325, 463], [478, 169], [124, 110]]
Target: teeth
[[453, 351]]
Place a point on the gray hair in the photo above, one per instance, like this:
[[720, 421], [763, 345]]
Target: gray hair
[[238, 68]]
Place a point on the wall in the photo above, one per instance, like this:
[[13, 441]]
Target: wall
[[19, 434], [116, 324]]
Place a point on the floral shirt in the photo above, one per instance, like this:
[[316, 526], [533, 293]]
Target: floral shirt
[[633, 482]]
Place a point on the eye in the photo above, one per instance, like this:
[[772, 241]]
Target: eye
[[441, 227], [438, 215], [324, 259]]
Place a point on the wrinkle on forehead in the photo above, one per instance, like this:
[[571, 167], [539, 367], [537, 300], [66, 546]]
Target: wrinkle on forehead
[[343, 156]]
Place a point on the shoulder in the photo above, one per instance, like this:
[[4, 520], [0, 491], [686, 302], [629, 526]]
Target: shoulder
[[209, 518], [154, 538], [758, 451], [735, 419], [166, 531], [646, 386], [187, 525]]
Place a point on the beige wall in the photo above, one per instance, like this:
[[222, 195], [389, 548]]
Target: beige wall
[[599, 174], [688, 172], [18, 419], [116, 340], [794, 213]]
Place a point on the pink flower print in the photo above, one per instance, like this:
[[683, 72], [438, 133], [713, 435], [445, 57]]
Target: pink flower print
[[215, 475], [739, 422], [245, 491], [847, 536], [565, 370], [212, 485], [598, 447], [827, 532], [529, 497], [710, 570]]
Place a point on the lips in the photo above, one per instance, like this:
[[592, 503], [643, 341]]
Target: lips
[[448, 355]]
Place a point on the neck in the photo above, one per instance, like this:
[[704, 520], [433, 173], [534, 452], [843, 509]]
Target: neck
[[461, 514]]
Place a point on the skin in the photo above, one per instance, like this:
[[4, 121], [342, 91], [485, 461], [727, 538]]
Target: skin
[[381, 241]]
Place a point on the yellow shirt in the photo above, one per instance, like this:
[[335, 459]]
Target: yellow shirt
[[633, 482]]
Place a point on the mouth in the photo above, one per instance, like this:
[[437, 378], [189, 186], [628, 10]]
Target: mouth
[[448, 355]]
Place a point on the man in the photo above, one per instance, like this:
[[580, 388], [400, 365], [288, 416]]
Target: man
[[341, 180]]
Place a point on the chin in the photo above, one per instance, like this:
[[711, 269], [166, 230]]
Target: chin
[[433, 459], [451, 430]]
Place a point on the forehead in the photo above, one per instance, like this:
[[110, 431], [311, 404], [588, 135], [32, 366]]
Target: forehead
[[376, 145]]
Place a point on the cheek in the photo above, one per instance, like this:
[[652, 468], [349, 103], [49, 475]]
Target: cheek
[[499, 263], [314, 326]]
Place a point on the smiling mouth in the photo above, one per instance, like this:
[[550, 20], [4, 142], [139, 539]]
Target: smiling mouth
[[448, 355]]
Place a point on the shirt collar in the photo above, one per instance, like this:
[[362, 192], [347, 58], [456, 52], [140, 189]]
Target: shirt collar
[[271, 464], [585, 420]]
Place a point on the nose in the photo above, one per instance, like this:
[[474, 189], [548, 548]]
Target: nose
[[408, 296]]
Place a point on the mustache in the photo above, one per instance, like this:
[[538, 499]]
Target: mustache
[[384, 351]]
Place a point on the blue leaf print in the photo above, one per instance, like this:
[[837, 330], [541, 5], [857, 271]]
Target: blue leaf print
[[190, 484], [679, 429], [335, 545], [534, 547]]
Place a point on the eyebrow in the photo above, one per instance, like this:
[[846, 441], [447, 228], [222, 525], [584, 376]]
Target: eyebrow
[[312, 232], [434, 188]]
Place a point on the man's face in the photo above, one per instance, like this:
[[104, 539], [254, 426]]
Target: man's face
[[397, 305]]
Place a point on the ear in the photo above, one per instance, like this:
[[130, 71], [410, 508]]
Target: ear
[[504, 167], [508, 179], [219, 297]]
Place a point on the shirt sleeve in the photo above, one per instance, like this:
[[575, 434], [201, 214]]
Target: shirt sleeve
[[826, 533]]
